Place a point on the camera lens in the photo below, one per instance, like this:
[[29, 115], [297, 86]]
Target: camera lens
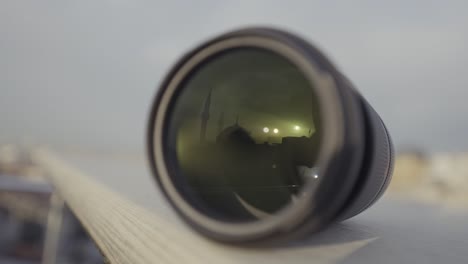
[[244, 133], [255, 135]]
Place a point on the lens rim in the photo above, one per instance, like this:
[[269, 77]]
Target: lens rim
[[341, 148]]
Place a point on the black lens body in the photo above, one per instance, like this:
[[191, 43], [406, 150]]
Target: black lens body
[[256, 137]]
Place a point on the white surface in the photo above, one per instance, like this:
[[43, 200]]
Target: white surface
[[392, 231]]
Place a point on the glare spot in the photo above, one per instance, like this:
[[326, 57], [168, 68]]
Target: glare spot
[[266, 130], [275, 131], [297, 127], [315, 176]]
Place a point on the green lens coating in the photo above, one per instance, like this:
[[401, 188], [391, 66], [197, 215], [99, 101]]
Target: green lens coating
[[244, 132]]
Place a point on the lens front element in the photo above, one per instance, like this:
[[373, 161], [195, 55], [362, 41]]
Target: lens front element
[[243, 134]]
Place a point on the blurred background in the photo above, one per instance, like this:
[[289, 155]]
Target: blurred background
[[80, 77], [35, 224]]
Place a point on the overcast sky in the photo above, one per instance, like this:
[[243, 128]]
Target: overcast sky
[[84, 73]]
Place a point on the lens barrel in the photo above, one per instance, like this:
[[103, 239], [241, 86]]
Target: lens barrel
[[255, 136]]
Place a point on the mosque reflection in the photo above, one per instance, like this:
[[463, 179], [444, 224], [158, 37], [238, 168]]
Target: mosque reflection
[[243, 173]]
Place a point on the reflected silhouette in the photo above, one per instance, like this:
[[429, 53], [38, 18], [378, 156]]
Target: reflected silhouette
[[264, 176]]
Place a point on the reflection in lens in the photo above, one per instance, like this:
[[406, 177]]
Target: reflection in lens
[[244, 133]]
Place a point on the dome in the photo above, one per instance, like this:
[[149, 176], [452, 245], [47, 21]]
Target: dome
[[235, 134]]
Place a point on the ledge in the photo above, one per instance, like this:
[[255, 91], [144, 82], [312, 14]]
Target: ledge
[[122, 210]]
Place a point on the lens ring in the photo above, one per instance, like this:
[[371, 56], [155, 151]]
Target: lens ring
[[335, 115]]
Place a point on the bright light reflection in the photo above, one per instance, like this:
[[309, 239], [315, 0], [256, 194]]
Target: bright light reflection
[[297, 127], [275, 131], [266, 129]]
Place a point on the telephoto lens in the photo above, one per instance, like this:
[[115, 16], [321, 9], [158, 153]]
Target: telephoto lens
[[255, 136]]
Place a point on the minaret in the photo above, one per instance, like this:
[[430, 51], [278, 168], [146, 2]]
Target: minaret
[[205, 116], [221, 123]]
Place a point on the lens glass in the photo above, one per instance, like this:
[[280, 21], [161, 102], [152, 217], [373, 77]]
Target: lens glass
[[242, 135]]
